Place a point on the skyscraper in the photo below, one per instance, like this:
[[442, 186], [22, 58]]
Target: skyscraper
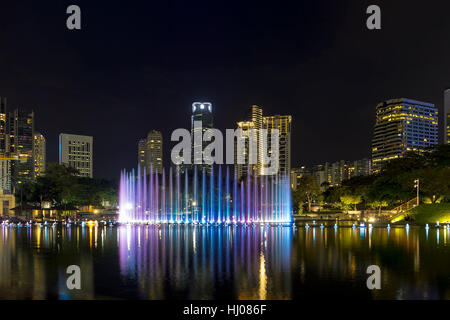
[[446, 116], [39, 154], [21, 142], [77, 151], [3, 133], [201, 111], [153, 153], [142, 148], [241, 160], [257, 119], [283, 124], [5, 163], [403, 125]]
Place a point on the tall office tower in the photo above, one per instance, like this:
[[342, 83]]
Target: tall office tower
[[77, 151], [39, 155], [283, 124], [3, 132], [201, 111], [446, 116], [241, 160], [403, 125], [142, 148], [5, 164], [5, 175], [20, 127], [154, 150], [257, 119]]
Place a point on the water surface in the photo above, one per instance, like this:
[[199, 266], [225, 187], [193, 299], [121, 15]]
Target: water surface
[[211, 262]]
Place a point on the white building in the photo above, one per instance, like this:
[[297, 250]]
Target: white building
[[76, 151]]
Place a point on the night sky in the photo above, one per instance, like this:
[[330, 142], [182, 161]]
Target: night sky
[[139, 65]]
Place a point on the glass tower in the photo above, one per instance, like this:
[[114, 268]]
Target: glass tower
[[403, 125]]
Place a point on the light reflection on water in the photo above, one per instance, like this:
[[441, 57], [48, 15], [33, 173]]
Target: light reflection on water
[[200, 262]]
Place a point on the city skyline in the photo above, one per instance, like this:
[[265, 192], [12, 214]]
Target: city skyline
[[327, 69]]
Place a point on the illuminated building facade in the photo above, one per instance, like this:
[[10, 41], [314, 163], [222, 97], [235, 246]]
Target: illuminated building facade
[[3, 133], [258, 123], [21, 143], [5, 164], [283, 124], [256, 120], [5, 175], [446, 116], [153, 151], [403, 125], [76, 151], [241, 160], [201, 111], [142, 148], [39, 154]]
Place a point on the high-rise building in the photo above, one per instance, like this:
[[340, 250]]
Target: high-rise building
[[201, 111], [142, 148], [39, 154], [5, 163], [3, 126], [283, 124], [403, 125], [153, 153], [77, 151], [258, 123], [241, 160], [446, 116], [20, 127], [150, 152], [5, 175]]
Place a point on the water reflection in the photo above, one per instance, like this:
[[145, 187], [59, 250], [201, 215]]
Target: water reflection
[[201, 262], [205, 262]]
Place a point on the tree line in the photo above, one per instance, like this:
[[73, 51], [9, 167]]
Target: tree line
[[61, 186], [392, 186]]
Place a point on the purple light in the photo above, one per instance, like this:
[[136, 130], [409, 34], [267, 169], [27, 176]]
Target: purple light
[[145, 199]]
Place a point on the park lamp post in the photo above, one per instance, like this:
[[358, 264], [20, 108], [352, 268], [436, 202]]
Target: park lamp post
[[417, 186]]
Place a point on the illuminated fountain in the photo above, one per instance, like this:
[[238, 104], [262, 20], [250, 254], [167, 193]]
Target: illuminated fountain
[[203, 198]]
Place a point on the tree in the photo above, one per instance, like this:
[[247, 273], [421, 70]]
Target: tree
[[378, 205], [351, 199], [307, 191], [61, 186]]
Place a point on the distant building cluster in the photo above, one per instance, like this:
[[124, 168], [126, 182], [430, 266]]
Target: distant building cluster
[[401, 125], [332, 174], [150, 149], [23, 151]]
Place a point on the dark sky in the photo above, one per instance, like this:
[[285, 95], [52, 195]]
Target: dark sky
[[139, 65]]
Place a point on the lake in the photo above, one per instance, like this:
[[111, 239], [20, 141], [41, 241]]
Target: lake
[[224, 262]]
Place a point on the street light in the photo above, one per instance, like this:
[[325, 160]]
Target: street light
[[417, 186]]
